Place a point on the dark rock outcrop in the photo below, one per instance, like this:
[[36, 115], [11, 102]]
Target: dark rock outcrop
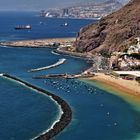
[[114, 32]]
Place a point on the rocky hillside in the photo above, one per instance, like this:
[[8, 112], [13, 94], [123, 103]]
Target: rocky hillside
[[114, 32]]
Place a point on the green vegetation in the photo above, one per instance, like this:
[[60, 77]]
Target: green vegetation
[[105, 53], [135, 55], [138, 79], [133, 42], [135, 67]]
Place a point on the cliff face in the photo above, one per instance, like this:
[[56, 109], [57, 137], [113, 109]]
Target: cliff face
[[114, 32]]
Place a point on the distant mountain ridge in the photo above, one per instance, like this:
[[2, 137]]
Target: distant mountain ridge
[[114, 32], [92, 9]]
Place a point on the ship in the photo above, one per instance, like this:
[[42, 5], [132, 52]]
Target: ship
[[22, 27]]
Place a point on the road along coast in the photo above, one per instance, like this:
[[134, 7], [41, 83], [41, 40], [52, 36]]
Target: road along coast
[[66, 114]]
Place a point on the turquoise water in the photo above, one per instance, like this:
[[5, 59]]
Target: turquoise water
[[24, 113]]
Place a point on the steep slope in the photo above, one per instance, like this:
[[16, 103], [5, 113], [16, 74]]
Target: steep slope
[[114, 32]]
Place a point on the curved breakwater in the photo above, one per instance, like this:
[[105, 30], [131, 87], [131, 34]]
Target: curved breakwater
[[66, 112], [61, 61]]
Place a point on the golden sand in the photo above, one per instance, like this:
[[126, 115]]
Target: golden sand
[[128, 90]]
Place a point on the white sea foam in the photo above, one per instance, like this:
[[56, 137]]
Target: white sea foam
[[59, 107], [56, 121], [1, 74], [6, 46]]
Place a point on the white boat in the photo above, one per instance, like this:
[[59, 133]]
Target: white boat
[[21, 27], [65, 24]]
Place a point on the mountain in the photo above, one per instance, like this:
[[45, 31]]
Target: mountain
[[39, 4], [114, 32]]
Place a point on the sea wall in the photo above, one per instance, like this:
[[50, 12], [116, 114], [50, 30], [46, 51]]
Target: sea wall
[[65, 117]]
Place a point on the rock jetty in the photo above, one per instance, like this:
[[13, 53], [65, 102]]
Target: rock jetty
[[65, 117]]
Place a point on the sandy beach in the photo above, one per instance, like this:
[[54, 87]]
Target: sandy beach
[[39, 42], [127, 90], [128, 86]]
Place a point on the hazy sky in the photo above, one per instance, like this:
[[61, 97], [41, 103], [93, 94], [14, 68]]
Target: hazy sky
[[38, 4]]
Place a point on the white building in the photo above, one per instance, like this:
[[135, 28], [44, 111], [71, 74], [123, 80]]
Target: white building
[[134, 48]]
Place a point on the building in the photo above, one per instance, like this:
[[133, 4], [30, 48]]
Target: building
[[134, 48], [65, 12], [128, 75]]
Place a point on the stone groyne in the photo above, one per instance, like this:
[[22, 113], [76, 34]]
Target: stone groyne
[[61, 61], [65, 117]]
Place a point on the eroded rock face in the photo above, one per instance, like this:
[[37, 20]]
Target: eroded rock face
[[114, 32]]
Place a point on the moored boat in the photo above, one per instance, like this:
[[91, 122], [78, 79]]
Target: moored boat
[[22, 27]]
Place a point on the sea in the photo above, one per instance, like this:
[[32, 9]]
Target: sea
[[25, 113]]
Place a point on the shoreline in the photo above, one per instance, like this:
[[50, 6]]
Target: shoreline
[[119, 83], [39, 43], [66, 112], [54, 43], [129, 91], [69, 53]]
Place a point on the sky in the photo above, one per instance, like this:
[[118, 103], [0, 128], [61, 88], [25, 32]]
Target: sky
[[39, 4]]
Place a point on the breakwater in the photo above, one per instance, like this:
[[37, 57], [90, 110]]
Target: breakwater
[[61, 61], [66, 115], [65, 76]]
